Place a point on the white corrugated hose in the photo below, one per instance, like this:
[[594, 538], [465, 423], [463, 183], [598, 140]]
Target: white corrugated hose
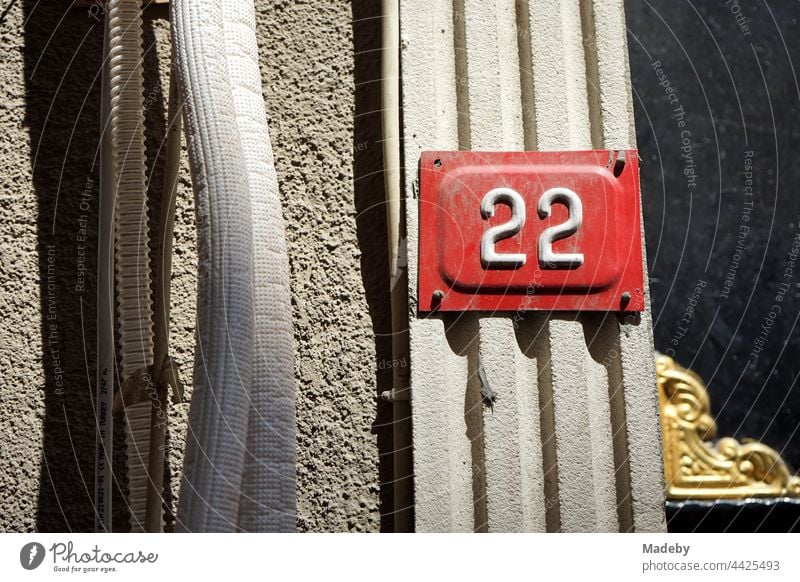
[[134, 307], [239, 472]]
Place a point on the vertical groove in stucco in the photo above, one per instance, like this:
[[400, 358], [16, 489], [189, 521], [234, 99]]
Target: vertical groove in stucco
[[602, 331], [592, 73], [526, 75], [462, 75], [532, 338]]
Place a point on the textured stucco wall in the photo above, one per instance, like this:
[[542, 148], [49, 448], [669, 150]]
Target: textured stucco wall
[[320, 68]]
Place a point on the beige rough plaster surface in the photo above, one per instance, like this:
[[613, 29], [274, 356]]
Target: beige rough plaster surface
[[50, 126]]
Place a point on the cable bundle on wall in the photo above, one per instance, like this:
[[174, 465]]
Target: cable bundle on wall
[[240, 458]]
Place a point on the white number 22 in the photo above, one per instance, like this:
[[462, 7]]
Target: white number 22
[[490, 258]]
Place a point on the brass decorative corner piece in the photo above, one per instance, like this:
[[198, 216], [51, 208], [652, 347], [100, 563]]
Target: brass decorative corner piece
[[696, 469]]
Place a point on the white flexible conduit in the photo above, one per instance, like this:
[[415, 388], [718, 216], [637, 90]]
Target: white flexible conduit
[[126, 120], [269, 484], [239, 472]]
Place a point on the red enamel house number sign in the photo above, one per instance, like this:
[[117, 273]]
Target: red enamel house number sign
[[521, 231]]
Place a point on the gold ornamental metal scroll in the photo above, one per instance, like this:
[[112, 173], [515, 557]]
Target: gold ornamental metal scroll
[[695, 468]]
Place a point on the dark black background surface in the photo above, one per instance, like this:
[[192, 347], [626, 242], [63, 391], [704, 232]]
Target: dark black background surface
[[740, 516], [739, 90]]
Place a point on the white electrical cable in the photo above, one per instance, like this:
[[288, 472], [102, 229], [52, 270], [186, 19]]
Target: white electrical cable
[[401, 407], [244, 376]]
